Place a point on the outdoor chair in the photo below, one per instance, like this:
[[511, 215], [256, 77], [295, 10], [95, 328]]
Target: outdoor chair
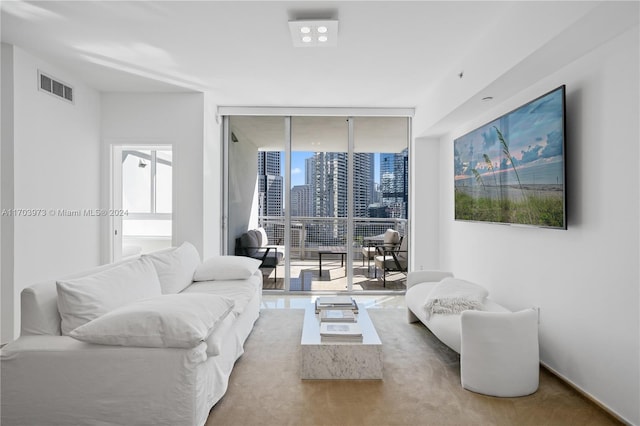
[[255, 243], [389, 240], [392, 259]]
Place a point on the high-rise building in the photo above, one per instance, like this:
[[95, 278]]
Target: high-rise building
[[270, 184], [363, 183], [309, 170], [394, 180], [302, 201], [325, 193], [329, 183]]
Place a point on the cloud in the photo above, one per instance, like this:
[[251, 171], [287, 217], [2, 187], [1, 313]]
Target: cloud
[[531, 154], [552, 148], [554, 145], [489, 138], [296, 171]]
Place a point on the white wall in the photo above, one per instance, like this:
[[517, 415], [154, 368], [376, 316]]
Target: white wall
[[424, 204], [166, 118], [585, 279], [56, 165], [6, 196], [212, 180]]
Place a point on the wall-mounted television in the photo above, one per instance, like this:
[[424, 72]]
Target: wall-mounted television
[[512, 170]]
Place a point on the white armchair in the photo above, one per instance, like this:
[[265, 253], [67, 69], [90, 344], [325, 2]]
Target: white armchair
[[499, 353]]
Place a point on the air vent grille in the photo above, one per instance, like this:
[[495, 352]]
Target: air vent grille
[[55, 87]]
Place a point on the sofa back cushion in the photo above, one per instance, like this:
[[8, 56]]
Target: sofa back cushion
[[391, 237], [39, 304], [81, 300], [263, 238], [250, 241], [175, 267], [39, 310], [223, 268]]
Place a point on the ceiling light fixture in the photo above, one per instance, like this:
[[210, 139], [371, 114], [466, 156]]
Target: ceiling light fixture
[[316, 33]]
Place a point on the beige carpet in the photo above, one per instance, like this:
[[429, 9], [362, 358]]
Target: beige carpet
[[421, 385]]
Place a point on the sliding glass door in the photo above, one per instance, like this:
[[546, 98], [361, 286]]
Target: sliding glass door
[[380, 202], [319, 203], [324, 189]]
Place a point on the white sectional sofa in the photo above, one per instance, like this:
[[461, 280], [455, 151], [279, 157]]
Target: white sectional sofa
[[157, 340]]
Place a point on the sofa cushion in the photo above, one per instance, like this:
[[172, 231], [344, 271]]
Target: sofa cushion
[[83, 299], [240, 291], [39, 310], [250, 242], [391, 237], [226, 268], [272, 256], [263, 238], [165, 321], [175, 267]]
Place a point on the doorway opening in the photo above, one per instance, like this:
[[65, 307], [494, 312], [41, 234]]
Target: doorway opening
[[142, 199]]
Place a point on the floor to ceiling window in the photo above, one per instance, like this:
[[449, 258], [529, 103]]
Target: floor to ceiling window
[[328, 189]]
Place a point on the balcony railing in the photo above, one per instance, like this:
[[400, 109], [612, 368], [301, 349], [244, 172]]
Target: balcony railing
[[309, 233]]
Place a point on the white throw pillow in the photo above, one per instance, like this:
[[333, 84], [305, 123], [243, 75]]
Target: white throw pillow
[[165, 321], [226, 268], [453, 295], [83, 299], [175, 267]]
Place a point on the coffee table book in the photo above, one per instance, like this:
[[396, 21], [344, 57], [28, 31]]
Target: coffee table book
[[325, 303], [334, 300], [340, 332], [337, 315]]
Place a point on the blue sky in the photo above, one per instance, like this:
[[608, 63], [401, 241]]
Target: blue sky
[[534, 132]]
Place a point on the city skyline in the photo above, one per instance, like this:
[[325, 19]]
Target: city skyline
[[298, 166], [319, 184]]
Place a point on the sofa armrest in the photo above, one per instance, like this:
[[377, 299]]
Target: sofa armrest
[[77, 380], [417, 277], [499, 353]]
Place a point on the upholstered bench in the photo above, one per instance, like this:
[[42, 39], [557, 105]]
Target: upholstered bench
[[498, 349]]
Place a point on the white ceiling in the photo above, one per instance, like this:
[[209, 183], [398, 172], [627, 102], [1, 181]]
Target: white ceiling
[[389, 53]]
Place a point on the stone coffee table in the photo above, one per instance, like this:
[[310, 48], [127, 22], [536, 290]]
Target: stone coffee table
[[340, 360]]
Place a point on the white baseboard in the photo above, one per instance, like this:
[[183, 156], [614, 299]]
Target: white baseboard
[[586, 394]]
